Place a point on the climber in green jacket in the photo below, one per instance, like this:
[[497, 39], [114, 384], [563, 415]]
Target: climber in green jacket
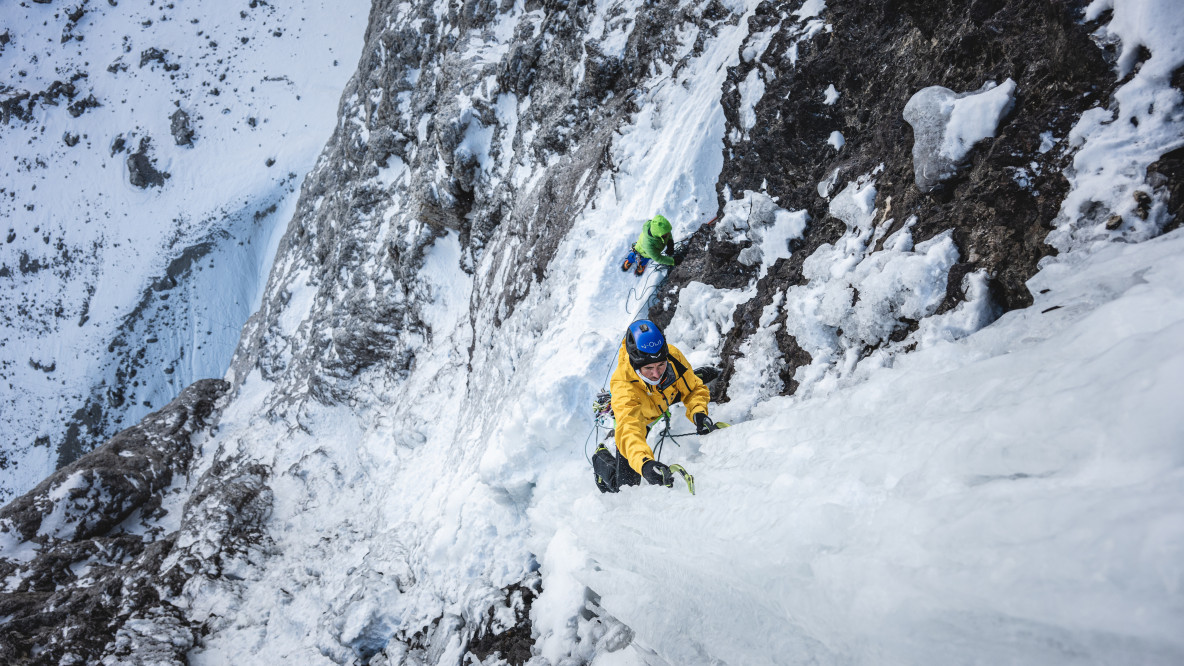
[[655, 239]]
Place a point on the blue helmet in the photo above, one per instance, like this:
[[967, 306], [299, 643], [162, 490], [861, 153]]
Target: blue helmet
[[645, 343]]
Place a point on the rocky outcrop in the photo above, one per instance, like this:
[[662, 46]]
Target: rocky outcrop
[[428, 158], [82, 553], [141, 168], [181, 128], [879, 54]]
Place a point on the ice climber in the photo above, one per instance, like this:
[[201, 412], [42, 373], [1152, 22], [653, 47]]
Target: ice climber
[[655, 239], [651, 376]]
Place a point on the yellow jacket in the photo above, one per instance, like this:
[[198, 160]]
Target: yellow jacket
[[636, 404]]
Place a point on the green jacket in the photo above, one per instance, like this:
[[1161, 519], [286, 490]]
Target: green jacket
[[656, 237]]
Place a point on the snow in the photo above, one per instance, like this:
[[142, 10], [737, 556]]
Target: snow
[[947, 125], [60, 522], [757, 219], [975, 117], [703, 319], [836, 140], [107, 249], [1032, 517], [1114, 146], [1152, 24], [830, 95], [810, 9], [751, 91]]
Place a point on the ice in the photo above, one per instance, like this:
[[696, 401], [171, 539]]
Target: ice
[[756, 218], [947, 125], [703, 318]]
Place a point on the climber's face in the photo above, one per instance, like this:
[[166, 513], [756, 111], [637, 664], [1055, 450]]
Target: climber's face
[[653, 371]]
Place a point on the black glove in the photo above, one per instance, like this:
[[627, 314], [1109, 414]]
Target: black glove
[[657, 473], [703, 424]]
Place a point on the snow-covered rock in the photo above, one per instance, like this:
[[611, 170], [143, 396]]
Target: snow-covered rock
[[153, 153], [947, 125]]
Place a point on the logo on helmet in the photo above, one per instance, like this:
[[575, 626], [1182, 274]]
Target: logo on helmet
[[651, 345]]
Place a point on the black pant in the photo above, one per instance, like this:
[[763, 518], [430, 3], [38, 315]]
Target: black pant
[[613, 471]]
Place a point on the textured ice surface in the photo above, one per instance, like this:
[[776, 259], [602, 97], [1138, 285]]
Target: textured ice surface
[[947, 125]]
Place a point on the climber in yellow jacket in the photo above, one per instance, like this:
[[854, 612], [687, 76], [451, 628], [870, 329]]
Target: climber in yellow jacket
[[651, 376]]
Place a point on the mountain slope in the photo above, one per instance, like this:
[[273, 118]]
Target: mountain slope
[[155, 152], [923, 462]]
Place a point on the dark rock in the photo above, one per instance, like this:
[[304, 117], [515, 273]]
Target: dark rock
[[878, 56], [1142, 204], [181, 129], [71, 519], [16, 105], [513, 643], [70, 139], [78, 108], [152, 55], [1167, 175], [20, 103], [141, 171]]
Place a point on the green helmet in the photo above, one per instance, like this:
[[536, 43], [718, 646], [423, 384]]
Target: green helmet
[[659, 226]]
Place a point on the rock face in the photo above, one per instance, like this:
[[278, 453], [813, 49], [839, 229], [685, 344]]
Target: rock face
[[82, 560], [141, 171], [417, 150], [181, 129], [877, 57]]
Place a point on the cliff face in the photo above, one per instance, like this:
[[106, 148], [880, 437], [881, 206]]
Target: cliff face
[[1001, 205], [85, 550], [458, 122], [381, 484]]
